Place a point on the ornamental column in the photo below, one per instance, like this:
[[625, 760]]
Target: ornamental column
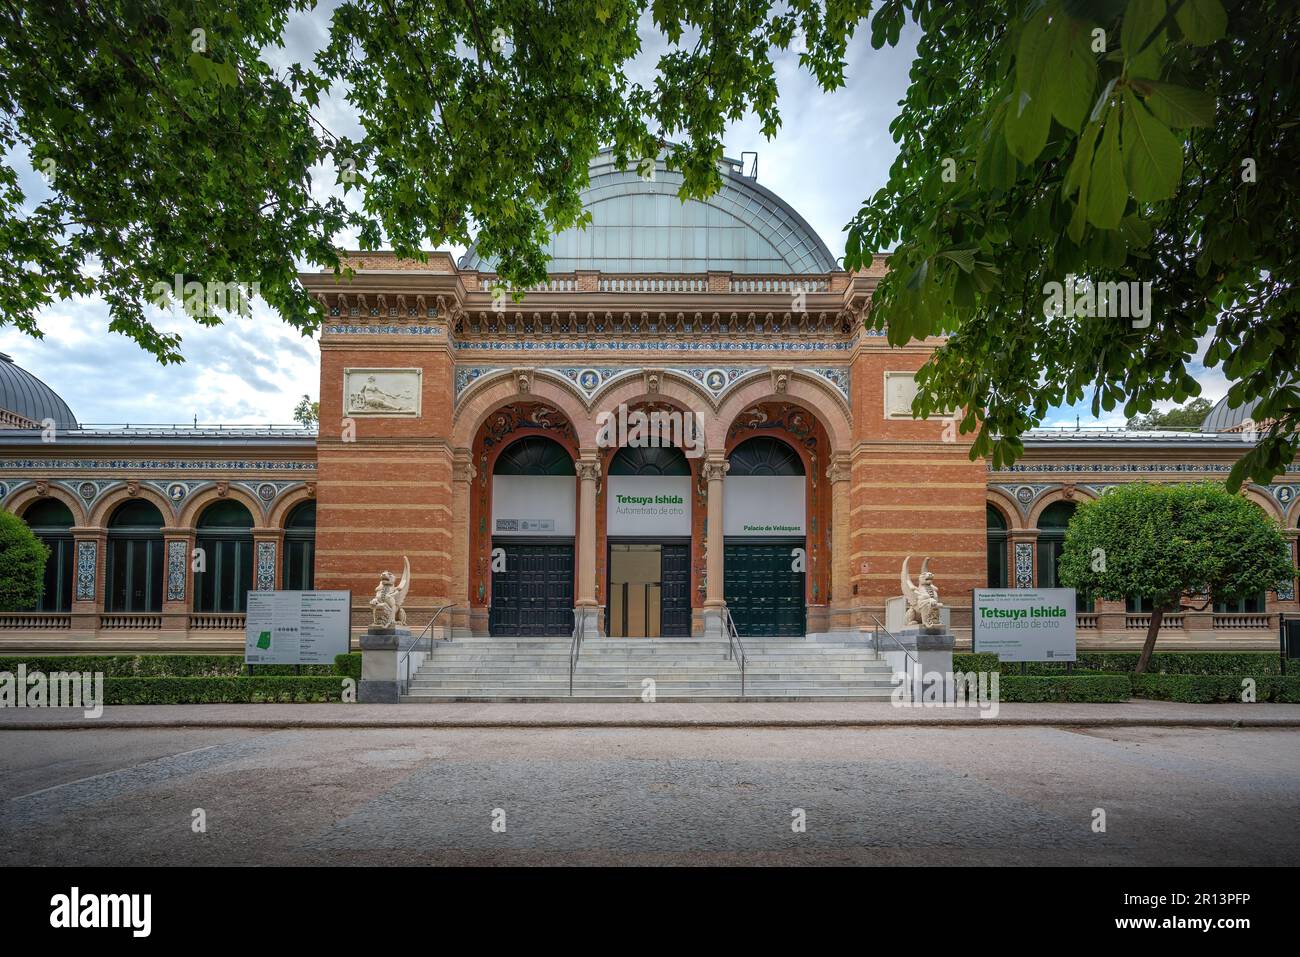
[[90, 578], [839, 474], [462, 491], [178, 550], [715, 602], [586, 611]]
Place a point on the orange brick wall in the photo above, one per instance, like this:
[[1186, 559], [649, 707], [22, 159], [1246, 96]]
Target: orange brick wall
[[912, 494]]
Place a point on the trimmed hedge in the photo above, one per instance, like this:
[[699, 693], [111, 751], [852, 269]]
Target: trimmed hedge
[[1123, 662], [1204, 689], [348, 665], [163, 666], [222, 690], [1068, 688]]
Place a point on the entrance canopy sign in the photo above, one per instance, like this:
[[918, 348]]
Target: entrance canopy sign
[[297, 627], [757, 506], [657, 506], [534, 505], [1024, 624]]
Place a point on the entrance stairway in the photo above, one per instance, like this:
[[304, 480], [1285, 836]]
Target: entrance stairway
[[615, 669]]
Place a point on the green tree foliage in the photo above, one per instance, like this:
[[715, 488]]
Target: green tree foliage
[[1137, 142], [1187, 418], [1179, 545], [307, 412], [1119, 141], [22, 564], [173, 148]]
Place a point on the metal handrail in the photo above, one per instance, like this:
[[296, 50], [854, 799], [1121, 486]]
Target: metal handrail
[[575, 648], [406, 655], [734, 644], [895, 640]]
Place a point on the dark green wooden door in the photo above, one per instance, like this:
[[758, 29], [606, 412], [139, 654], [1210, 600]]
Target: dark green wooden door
[[533, 596], [765, 596]]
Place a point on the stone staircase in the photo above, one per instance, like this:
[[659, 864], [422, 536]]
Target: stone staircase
[[613, 669]]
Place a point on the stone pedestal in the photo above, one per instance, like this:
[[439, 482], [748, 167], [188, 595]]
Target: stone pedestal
[[926, 665], [588, 619], [381, 650], [712, 620]]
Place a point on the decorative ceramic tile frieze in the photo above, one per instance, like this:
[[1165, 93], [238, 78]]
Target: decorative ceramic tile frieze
[[657, 345], [342, 329], [176, 568], [718, 379], [1111, 467], [468, 375], [86, 557], [266, 492], [590, 378], [1024, 565], [170, 465], [1286, 590], [835, 376], [265, 566]]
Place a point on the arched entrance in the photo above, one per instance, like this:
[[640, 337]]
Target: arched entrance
[[135, 558], [225, 540], [51, 521], [648, 543], [765, 538], [534, 517], [300, 547]]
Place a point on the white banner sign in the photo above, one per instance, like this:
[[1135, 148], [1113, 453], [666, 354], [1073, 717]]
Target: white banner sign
[[297, 627], [534, 504], [759, 505], [649, 505], [1025, 624]]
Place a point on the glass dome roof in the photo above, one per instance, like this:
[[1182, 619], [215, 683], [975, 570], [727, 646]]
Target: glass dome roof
[[639, 225]]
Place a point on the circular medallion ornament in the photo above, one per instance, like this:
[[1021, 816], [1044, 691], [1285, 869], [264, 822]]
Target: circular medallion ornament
[[87, 490], [1024, 495], [1284, 494], [266, 491], [715, 380], [176, 491], [589, 379]]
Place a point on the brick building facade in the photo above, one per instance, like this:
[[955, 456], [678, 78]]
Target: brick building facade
[[461, 427]]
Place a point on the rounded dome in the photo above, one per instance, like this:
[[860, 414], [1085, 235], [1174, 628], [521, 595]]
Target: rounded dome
[[640, 225], [1223, 418], [26, 396]]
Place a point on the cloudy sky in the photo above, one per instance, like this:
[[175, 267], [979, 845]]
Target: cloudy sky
[[832, 151]]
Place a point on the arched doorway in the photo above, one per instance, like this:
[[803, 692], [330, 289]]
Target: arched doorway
[[51, 521], [765, 510], [648, 543], [1052, 524], [300, 548], [225, 537], [996, 534], [534, 517], [135, 558]]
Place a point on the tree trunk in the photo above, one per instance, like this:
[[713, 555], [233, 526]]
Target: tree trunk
[[1149, 645]]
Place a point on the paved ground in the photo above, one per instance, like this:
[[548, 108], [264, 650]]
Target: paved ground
[[662, 714], [932, 795]]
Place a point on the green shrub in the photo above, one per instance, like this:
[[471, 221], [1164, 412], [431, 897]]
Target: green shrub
[[1205, 689], [22, 564], [1066, 688], [158, 666], [348, 665], [1113, 662], [222, 690]]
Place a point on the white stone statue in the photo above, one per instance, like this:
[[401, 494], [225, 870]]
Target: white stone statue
[[923, 604], [390, 595]]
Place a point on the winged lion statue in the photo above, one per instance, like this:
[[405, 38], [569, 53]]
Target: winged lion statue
[[390, 595], [923, 605]]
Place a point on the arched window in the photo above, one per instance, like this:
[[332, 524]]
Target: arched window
[[764, 455], [135, 557], [534, 455], [649, 461], [225, 536], [51, 521], [1051, 542], [300, 548], [996, 527]]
